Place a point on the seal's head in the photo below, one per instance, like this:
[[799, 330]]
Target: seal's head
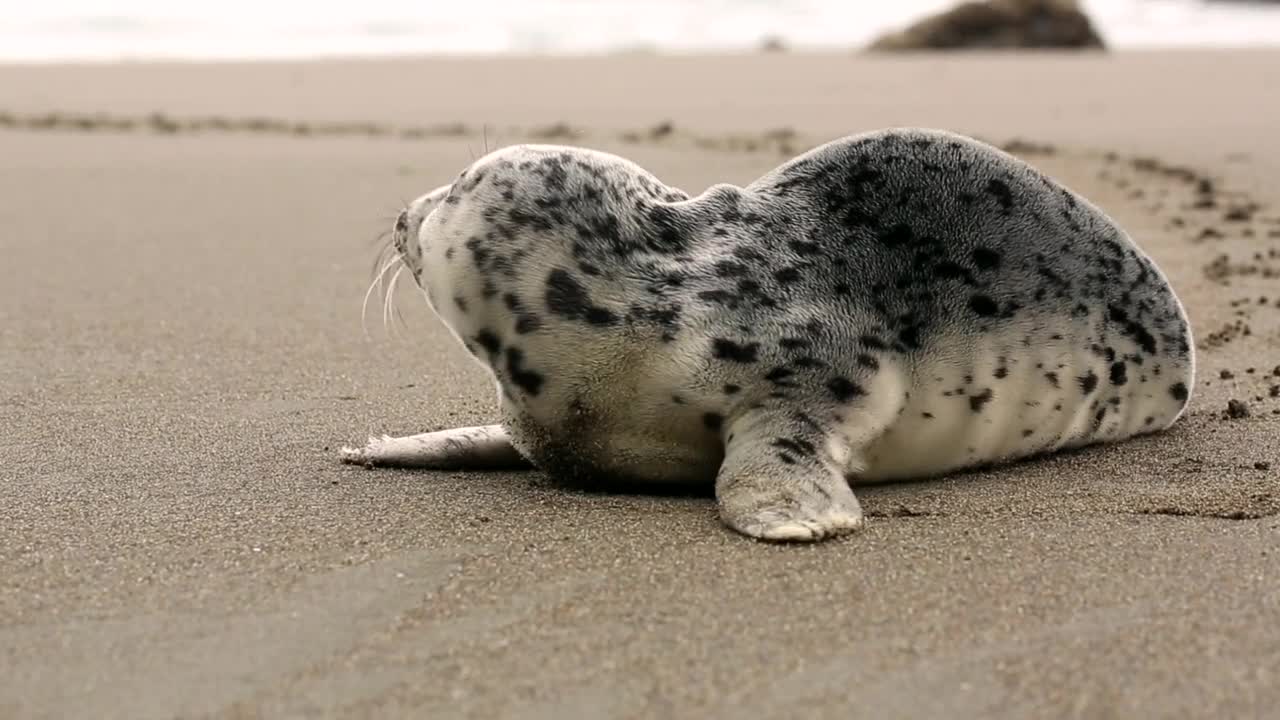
[[515, 226]]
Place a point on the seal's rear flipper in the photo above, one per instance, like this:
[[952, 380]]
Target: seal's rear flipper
[[487, 447]]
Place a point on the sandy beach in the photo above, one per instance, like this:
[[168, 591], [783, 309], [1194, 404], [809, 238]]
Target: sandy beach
[[183, 253]]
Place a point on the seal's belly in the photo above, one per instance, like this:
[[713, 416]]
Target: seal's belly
[[1001, 404], [612, 447]]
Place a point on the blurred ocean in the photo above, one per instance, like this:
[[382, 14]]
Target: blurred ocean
[[43, 30]]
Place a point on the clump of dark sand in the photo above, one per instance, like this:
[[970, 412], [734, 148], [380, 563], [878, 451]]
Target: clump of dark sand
[[1237, 409]]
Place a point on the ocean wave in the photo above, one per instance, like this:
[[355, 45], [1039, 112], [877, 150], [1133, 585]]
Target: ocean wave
[[142, 29]]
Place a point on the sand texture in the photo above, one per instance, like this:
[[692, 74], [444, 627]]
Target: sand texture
[[183, 253]]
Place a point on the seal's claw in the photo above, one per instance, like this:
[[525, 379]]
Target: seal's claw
[[371, 454], [797, 524], [351, 456]]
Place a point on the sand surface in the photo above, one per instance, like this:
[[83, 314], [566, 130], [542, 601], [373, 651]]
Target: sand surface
[[181, 355]]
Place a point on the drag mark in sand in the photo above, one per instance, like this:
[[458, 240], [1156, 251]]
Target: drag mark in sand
[[783, 141]]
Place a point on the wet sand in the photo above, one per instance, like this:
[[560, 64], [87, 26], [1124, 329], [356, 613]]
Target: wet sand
[[183, 257]]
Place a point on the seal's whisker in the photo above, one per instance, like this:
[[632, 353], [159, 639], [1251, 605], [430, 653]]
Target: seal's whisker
[[382, 236], [395, 306], [391, 252], [399, 317], [364, 307], [386, 252], [386, 300], [382, 288], [388, 303]]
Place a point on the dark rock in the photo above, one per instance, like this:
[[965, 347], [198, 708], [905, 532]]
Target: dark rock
[[996, 24], [772, 44]]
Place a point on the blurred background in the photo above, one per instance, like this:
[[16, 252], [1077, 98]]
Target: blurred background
[[90, 30]]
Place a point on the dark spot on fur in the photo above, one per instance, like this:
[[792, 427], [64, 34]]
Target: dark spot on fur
[[910, 336], [985, 258], [1179, 392], [797, 446], [873, 342], [897, 236], [600, 316], [724, 349], [490, 342], [666, 234], [527, 380], [948, 270], [804, 247], [722, 297], [779, 376], [983, 306], [1088, 382], [786, 276], [730, 268], [527, 323], [1133, 329], [567, 298], [1118, 374], [976, 402], [1001, 192], [843, 389]]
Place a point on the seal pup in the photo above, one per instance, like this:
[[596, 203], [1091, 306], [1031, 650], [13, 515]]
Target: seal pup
[[891, 305]]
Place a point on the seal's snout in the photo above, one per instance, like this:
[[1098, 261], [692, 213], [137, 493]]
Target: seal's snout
[[408, 228], [402, 235], [406, 241]]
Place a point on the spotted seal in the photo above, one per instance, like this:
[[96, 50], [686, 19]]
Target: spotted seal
[[891, 305]]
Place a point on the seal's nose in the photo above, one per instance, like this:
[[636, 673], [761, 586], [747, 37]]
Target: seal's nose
[[402, 221]]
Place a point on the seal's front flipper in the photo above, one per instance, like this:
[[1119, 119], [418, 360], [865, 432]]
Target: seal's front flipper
[[779, 481], [487, 447]]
